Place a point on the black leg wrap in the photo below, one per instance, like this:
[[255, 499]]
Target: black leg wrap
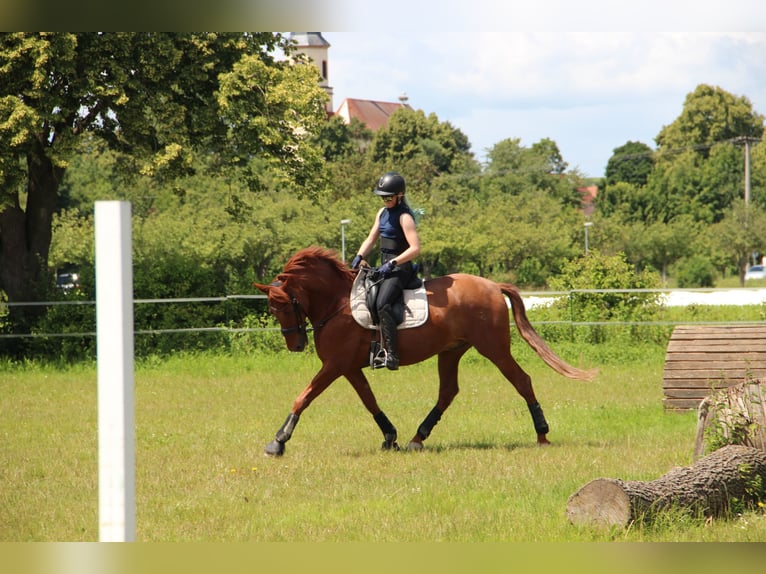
[[386, 427], [538, 418], [284, 433], [388, 430], [429, 423]]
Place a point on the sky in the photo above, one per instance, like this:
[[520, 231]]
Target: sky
[[589, 91]]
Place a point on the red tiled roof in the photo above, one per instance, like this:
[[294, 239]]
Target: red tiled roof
[[588, 194], [373, 114]]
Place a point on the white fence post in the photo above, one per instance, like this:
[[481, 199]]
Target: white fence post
[[114, 340]]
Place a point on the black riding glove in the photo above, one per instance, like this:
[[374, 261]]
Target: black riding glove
[[386, 269], [357, 261]]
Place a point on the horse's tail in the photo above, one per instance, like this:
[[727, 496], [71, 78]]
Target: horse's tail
[[536, 341]]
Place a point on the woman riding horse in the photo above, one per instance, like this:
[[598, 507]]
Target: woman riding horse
[[399, 245]]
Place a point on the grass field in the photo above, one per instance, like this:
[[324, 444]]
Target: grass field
[[202, 423]]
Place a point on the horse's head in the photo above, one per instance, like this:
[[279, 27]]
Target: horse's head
[[308, 288], [290, 314]]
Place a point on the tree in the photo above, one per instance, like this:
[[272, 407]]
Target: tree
[[710, 115], [630, 163], [584, 276], [740, 233], [156, 99], [338, 139], [513, 169], [698, 171], [672, 189], [665, 243], [411, 134]]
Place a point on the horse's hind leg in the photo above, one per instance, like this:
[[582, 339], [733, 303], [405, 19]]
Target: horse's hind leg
[[448, 390], [523, 384]]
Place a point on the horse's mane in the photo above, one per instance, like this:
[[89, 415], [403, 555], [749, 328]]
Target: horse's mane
[[310, 257]]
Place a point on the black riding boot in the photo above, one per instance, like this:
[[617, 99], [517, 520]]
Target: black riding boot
[[388, 331]]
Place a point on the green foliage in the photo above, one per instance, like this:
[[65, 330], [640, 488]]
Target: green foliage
[[339, 140], [739, 234], [630, 163], [696, 271], [258, 334], [755, 490], [514, 169], [710, 115], [231, 166], [662, 244], [410, 134], [697, 168], [585, 277], [70, 328], [158, 101], [272, 112], [758, 173]]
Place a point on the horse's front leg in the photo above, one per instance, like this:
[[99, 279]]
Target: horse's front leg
[[362, 387], [318, 384]]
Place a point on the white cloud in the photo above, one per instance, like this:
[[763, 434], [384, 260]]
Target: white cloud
[[591, 67], [589, 92]]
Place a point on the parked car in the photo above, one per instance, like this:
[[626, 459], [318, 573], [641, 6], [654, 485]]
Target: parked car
[[67, 281], [755, 272]]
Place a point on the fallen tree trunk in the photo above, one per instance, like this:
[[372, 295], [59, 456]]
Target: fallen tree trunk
[[709, 487]]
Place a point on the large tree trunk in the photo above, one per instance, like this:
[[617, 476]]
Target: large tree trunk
[[707, 488], [25, 239]]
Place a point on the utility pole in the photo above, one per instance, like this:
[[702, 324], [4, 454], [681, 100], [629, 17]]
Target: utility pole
[[746, 141]]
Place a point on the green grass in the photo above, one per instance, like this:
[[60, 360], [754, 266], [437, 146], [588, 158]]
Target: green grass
[[202, 423]]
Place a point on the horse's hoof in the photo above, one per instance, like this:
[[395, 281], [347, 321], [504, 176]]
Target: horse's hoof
[[390, 445], [275, 448], [415, 446]]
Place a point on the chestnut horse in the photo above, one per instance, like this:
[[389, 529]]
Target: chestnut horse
[[464, 311]]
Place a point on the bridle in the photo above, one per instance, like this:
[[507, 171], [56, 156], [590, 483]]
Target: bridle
[[300, 320], [301, 317]]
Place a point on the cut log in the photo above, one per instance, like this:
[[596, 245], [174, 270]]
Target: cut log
[[734, 415], [707, 488]]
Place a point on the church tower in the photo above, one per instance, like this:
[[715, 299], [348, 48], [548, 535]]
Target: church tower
[[313, 45]]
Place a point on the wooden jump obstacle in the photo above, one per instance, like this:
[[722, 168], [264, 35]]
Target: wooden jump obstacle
[[701, 358]]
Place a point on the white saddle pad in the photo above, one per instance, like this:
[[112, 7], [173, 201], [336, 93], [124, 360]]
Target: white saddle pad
[[415, 306]]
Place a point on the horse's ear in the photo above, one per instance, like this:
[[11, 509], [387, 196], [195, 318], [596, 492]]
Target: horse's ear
[[267, 288]]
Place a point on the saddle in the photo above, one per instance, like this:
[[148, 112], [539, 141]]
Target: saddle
[[410, 311]]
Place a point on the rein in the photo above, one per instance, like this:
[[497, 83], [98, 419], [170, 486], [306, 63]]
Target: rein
[[324, 321]]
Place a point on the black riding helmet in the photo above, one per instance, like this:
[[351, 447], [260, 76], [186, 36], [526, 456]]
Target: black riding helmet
[[390, 183]]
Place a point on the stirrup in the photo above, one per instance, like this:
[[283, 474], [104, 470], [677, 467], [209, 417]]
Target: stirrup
[[378, 355], [379, 359]]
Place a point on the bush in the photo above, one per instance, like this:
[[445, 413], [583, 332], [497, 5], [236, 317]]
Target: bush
[[696, 271], [583, 278], [265, 336]]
